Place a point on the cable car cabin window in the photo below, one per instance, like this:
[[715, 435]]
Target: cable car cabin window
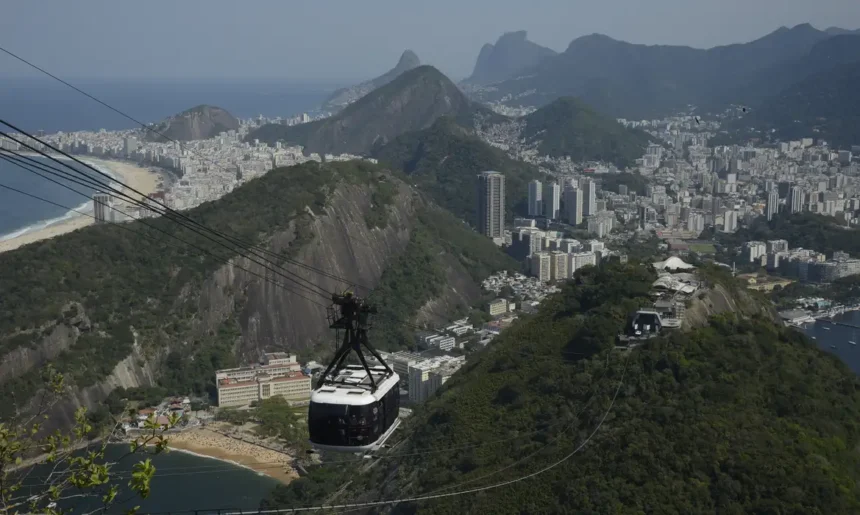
[[343, 425]]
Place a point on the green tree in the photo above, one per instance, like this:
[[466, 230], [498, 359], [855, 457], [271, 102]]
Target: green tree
[[78, 471]]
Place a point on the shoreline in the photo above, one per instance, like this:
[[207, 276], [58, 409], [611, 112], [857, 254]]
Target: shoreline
[[213, 445], [142, 179]]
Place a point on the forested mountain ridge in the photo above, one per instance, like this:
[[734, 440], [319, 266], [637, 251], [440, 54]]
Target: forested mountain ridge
[[825, 106], [739, 415], [114, 305], [822, 60], [640, 81], [567, 127], [411, 102]]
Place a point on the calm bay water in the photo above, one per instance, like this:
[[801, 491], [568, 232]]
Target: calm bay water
[[827, 334], [183, 482]]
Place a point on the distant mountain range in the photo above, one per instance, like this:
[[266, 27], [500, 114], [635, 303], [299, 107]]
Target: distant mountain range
[[345, 96], [201, 122], [637, 81], [511, 54], [418, 98]]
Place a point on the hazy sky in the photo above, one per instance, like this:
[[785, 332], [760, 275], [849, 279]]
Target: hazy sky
[[325, 39]]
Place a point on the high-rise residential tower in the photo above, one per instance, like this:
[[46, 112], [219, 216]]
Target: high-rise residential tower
[[491, 204]]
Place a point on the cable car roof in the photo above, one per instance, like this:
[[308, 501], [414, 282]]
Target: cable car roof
[[351, 386]]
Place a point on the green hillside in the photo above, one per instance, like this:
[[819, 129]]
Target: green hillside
[[739, 416], [568, 127], [133, 283], [444, 161]]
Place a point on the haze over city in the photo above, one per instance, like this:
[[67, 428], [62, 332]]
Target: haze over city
[[346, 40]]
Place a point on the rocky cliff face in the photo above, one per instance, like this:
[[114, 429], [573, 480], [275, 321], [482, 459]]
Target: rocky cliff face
[[201, 122], [513, 53], [342, 245], [718, 299]]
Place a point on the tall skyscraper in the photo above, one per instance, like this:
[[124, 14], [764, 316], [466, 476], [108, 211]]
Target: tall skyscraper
[[535, 198], [772, 204], [589, 194], [796, 197], [573, 205], [551, 200], [101, 208], [491, 204]]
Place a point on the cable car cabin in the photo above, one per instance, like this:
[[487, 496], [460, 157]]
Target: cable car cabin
[[346, 415]]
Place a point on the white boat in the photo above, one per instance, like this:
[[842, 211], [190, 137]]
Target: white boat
[[826, 328], [852, 342]]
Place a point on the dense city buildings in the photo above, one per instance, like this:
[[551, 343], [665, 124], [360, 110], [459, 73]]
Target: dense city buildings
[[193, 172]]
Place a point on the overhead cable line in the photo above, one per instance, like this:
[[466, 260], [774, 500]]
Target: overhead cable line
[[143, 125]]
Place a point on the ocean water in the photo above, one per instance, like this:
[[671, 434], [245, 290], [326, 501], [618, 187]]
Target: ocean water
[[183, 482], [44, 104], [20, 213], [827, 335]]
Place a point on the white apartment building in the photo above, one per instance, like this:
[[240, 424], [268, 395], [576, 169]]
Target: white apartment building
[[278, 375]]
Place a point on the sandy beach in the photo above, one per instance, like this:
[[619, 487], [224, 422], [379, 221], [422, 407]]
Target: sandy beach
[[141, 179], [214, 445]]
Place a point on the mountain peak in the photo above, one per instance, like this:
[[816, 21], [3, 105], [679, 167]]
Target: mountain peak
[[346, 96], [408, 60], [512, 54], [199, 122], [590, 39], [518, 35], [803, 26], [412, 101]]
